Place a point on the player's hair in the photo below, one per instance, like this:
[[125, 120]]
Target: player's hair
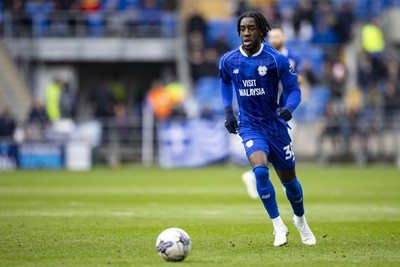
[[261, 22]]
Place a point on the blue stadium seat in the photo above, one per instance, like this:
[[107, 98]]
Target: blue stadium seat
[[95, 24], [169, 23], [215, 28], [207, 95], [310, 52], [314, 107]]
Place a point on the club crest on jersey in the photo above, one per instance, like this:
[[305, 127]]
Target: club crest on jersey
[[249, 143], [262, 70]]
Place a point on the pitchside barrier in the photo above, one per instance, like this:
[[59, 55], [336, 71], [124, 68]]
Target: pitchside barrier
[[183, 143]]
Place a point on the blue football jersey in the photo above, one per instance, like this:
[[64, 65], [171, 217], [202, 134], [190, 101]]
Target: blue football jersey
[[255, 80]]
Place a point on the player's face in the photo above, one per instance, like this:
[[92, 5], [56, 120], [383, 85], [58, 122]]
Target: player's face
[[276, 38], [250, 35]]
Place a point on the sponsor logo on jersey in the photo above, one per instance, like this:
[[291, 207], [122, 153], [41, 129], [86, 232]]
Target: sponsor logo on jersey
[[252, 92], [262, 70]]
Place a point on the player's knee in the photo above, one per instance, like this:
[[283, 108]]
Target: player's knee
[[262, 175], [286, 176]]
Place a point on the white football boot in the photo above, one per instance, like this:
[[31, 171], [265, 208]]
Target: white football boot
[[249, 180], [281, 232], [307, 237]]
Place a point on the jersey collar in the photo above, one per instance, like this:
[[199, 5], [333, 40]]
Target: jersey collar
[[255, 54]]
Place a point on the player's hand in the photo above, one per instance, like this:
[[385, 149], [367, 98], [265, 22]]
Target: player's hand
[[231, 123], [285, 113]]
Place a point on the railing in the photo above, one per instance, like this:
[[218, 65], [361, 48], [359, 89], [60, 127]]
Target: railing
[[362, 142], [69, 24], [135, 140]]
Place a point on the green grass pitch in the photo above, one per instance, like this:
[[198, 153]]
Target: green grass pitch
[[111, 217]]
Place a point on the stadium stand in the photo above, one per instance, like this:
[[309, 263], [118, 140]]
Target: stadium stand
[[144, 40]]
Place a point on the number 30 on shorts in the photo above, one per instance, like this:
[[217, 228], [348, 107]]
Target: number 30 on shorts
[[289, 151]]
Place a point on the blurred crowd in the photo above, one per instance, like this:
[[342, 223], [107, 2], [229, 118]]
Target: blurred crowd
[[345, 107], [345, 102], [63, 18]]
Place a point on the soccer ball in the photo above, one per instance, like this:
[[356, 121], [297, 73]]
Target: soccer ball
[[173, 244]]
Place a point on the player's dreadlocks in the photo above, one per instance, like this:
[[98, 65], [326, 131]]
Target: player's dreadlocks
[[261, 22]]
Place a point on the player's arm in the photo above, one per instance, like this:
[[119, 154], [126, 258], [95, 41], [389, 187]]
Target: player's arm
[[289, 78], [227, 95]]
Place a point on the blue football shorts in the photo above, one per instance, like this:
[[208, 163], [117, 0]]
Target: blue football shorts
[[279, 149]]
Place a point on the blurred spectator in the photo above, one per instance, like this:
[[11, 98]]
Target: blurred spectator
[[176, 90], [66, 4], [391, 102], [372, 38], [241, 7], [334, 75], [150, 20], [102, 102], [365, 71], [209, 66], [325, 24], [196, 59], [38, 121], [64, 20], [130, 9], [170, 5], [222, 45], [344, 22], [38, 115], [303, 20], [67, 101], [21, 22], [308, 73], [277, 38], [177, 94], [94, 18], [393, 71], [53, 92], [118, 89], [39, 11], [350, 127], [122, 122], [197, 23], [339, 77], [90, 6], [113, 19], [196, 41], [7, 124], [160, 101], [331, 128], [270, 11]]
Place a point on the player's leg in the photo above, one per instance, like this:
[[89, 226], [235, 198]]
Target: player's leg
[[283, 159], [293, 189], [266, 192], [294, 193]]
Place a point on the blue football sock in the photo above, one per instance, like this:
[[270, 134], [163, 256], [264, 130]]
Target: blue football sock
[[294, 193], [266, 191]]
